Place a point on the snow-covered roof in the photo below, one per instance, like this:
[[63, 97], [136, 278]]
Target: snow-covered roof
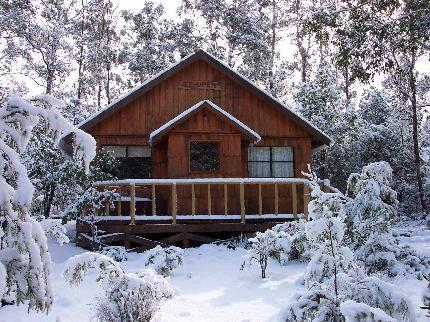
[[320, 138], [194, 108]]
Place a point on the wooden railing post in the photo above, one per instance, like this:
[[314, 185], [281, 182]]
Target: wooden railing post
[[132, 204], [193, 200], [174, 203], [276, 199], [242, 203], [260, 200], [154, 204], [209, 200], [225, 200], [306, 198], [294, 198], [119, 208], [107, 208]]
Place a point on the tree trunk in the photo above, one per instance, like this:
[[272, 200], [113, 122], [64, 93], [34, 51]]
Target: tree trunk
[[81, 54], [49, 80], [273, 48], [48, 200], [413, 99]]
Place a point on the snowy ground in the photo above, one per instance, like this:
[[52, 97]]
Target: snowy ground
[[208, 287]]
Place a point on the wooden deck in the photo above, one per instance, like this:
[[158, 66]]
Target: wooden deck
[[241, 207], [150, 231]]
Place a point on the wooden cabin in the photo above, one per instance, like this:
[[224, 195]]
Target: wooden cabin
[[203, 150]]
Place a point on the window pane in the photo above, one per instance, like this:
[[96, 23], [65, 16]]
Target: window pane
[[282, 153], [259, 169], [204, 156], [119, 151], [283, 169], [134, 168], [135, 151], [259, 154]]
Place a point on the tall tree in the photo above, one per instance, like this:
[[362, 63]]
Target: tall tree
[[383, 37]]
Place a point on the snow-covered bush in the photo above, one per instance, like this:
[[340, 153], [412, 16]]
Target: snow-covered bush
[[55, 230], [426, 296], [269, 244], [334, 279], [128, 297], [369, 215], [117, 253], [373, 204], [165, 260], [24, 255], [91, 202], [301, 248]]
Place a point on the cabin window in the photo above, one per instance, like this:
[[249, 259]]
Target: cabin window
[[204, 156], [271, 162], [134, 160]]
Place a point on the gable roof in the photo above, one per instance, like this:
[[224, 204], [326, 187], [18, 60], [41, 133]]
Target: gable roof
[[252, 135], [319, 137]]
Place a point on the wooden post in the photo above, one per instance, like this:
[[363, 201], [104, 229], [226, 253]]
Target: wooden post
[[225, 200], [294, 198], [306, 198], [154, 205], [119, 209], [107, 208], [242, 203], [174, 203], [132, 204], [193, 200], [276, 199], [260, 200], [209, 200]]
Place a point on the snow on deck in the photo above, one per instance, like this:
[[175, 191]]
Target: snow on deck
[[197, 106]]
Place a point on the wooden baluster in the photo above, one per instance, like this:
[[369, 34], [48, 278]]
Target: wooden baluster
[[132, 204], [294, 198], [119, 209], [174, 203], [107, 208], [306, 198], [193, 200], [276, 199], [154, 205], [225, 200], [260, 200], [209, 200], [242, 203]]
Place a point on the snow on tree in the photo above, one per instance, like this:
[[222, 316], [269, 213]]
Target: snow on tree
[[117, 253], [165, 260], [265, 245], [374, 204], [370, 215], [23, 248], [426, 296], [301, 248], [55, 230], [333, 277], [128, 297]]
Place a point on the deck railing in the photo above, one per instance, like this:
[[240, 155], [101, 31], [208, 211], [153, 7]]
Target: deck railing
[[131, 185]]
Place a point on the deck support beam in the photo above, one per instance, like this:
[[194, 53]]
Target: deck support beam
[[132, 204]]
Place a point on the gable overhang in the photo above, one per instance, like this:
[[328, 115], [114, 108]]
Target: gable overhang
[[319, 138], [247, 132]]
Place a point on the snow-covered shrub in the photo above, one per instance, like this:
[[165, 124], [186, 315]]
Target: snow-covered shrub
[[55, 230], [117, 253], [90, 203], [333, 277], [426, 296], [128, 297], [165, 260], [269, 244], [373, 204], [301, 248], [369, 215], [24, 254]]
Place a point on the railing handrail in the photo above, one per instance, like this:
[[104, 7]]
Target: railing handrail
[[136, 182]]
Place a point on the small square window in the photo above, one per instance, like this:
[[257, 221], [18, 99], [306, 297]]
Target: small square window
[[204, 156]]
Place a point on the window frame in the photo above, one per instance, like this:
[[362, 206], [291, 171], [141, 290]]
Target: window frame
[[218, 143], [271, 160], [127, 154]]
